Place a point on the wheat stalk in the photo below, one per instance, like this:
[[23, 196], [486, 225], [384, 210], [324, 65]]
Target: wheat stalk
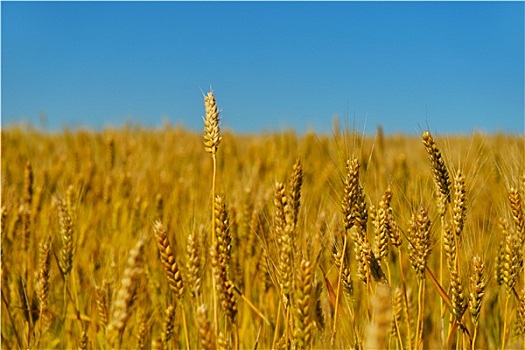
[[193, 265], [125, 296], [294, 195], [102, 296], [510, 261], [285, 243], [167, 331], [83, 342], [44, 273], [342, 265], [42, 288], [419, 251], [517, 214], [520, 315], [171, 268], [212, 131], [350, 183], [67, 236], [439, 170], [207, 338], [26, 213], [477, 292], [398, 306], [212, 138], [303, 319], [363, 251], [384, 231], [459, 210], [143, 332], [169, 262], [377, 330], [456, 287], [220, 260]]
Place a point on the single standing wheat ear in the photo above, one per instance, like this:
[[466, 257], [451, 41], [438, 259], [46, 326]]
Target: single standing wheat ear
[[477, 291], [460, 207], [67, 235], [419, 241], [193, 265], [168, 260], [212, 131], [439, 170]]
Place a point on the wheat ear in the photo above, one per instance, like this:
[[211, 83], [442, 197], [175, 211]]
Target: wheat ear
[[517, 212], [398, 307], [520, 315], [294, 195], [143, 332], [83, 342], [171, 267], [128, 285], [450, 248], [221, 255], [193, 265], [206, 335], [460, 208], [67, 235], [343, 265], [477, 291], [212, 131], [510, 261], [303, 319], [350, 187], [443, 188], [419, 250], [439, 170], [383, 222], [43, 279], [284, 239], [66, 253], [103, 300], [167, 331]]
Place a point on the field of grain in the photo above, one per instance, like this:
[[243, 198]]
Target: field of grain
[[139, 238]]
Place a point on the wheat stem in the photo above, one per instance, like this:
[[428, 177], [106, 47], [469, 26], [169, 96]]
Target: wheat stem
[[420, 314], [334, 330], [405, 297], [505, 321], [185, 326]]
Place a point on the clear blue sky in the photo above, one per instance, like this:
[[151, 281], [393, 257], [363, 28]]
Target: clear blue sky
[[456, 66]]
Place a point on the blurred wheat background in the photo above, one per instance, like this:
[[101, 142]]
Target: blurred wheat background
[[140, 238]]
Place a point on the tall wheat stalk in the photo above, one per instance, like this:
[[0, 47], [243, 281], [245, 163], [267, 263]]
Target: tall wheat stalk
[[66, 228], [442, 184], [212, 139]]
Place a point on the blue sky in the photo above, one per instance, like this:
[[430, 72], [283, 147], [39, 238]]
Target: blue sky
[[454, 66]]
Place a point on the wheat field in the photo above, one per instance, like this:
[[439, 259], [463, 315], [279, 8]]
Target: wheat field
[[166, 238]]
